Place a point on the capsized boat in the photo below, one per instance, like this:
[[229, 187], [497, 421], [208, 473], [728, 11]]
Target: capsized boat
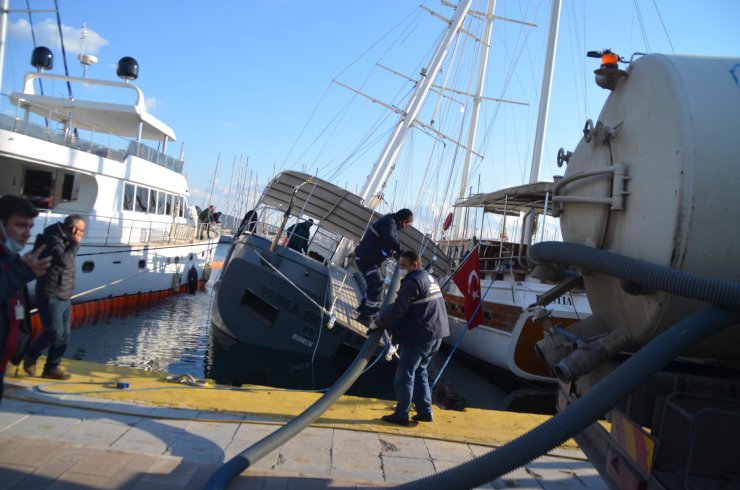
[[273, 296]]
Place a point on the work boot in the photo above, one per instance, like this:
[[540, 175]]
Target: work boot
[[423, 417], [55, 373], [29, 365], [394, 418]]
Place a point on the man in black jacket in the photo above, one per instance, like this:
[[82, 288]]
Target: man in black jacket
[[16, 221], [379, 242], [418, 322], [53, 293]]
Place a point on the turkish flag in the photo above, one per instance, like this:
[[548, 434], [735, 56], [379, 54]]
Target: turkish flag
[[468, 281]]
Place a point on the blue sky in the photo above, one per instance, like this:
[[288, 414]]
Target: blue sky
[[251, 78]]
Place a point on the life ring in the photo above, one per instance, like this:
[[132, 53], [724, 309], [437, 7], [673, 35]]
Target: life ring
[[447, 223]]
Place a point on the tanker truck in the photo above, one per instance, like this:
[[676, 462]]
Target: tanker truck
[[649, 208]]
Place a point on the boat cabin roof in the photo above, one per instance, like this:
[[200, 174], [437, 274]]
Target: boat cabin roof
[[513, 200], [342, 212], [100, 117]]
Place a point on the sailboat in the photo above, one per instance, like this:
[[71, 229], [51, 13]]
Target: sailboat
[[101, 154], [275, 297], [515, 302]]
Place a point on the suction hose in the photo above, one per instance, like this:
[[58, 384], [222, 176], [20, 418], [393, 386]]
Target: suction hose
[[712, 290], [586, 410], [619, 383], [263, 447]]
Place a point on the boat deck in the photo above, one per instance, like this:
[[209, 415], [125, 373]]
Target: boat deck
[[347, 295]]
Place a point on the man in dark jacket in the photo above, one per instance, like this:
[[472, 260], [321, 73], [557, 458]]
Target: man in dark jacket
[[298, 235], [418, 322], [53, 293], [379, 242], [16, 221]]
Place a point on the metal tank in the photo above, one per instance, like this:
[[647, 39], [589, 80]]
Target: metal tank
[[657, 178]]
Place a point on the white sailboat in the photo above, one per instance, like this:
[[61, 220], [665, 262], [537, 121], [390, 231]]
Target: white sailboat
[[107, 161], [511, 296]]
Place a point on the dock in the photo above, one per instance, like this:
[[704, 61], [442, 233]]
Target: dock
[[155, 434]]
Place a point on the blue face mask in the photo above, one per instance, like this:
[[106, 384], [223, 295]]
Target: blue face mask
[[10, 244]]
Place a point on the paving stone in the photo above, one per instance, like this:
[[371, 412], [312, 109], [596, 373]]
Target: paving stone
[[100, 463], [95, 433], [354, 443], [75, 481], [9, 419], [198, 450], [403, 469], [43, 427], [212, 430], [170, 471], [449, 451], [13, 475], [236, 447], [252, 433], [406, 447]]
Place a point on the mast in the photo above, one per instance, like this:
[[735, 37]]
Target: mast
[[458, 224], [3, 35], [371, 191], [552, 44]]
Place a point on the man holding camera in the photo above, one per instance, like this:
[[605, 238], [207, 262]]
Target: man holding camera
[[53, 293]]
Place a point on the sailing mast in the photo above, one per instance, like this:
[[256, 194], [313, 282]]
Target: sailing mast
[[373, 188], [488, 29], [552, 44]]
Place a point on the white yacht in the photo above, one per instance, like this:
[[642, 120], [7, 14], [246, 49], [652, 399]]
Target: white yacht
[[108, 162]]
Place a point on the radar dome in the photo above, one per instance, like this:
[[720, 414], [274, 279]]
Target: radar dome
[[42, 59], [128, 68]]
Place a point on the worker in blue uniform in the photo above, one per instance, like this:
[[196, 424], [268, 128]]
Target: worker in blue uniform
[[379, 242], [418, 323]]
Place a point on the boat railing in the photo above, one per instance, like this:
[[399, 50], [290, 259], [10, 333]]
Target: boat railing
[[117, 231], [74, 141]]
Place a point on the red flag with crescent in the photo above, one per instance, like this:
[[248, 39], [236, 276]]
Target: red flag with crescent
[[468, 281]]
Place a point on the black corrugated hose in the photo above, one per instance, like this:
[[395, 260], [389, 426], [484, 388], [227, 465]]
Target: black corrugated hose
[[263, 447], [619, 383]]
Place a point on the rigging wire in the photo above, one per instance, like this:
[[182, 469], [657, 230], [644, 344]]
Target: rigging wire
[[657, 10], [642, 27], [64, 51]]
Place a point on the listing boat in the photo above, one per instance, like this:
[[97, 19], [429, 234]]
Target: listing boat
[[271, 296], [107, 161], [258, 289]]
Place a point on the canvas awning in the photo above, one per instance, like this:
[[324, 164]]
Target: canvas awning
[[513, 200], [342, 212]]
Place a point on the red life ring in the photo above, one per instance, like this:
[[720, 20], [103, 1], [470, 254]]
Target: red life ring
[[447, 223]]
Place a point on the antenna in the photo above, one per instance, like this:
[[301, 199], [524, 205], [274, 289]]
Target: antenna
[[85, 59]]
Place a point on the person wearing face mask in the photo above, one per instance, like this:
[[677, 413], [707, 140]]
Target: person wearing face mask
[[53, 293], [16, 221], [418, 322], [379, 242]]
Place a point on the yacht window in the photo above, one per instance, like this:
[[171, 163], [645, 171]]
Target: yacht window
[[88, 266], [160, 202], [68, 185], [142, 197], [259, 308], [152, 201], [128, 197], [37, 188], [168, 205]]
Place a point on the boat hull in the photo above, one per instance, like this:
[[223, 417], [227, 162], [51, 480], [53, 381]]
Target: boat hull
[[261, 307]]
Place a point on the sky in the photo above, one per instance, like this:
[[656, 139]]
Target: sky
[[247, 85]]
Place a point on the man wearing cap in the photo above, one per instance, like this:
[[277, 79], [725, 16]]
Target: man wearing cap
[[379, 242]]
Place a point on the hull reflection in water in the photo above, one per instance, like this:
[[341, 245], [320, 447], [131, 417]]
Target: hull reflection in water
[[230, 362]]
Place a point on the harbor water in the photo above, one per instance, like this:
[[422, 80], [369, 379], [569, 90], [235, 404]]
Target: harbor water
[[175, 337]]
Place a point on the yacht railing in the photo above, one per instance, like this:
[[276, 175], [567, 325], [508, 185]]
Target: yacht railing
[[73, 141], [116, 231]]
